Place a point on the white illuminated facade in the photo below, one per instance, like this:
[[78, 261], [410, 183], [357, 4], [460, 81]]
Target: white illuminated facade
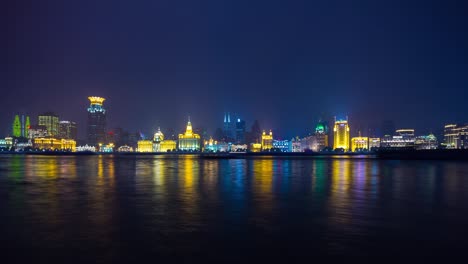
[[282, 145]]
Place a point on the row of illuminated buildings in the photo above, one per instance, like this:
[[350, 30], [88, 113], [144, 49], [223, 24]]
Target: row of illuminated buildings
[[48, 133], [51, 133]]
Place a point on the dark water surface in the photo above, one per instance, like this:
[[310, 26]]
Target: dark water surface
[[106, 208]]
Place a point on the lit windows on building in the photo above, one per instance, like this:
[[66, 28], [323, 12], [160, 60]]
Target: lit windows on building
[[267, 141], [96, 121], [462, 140], [86, 148], [54, 144], [167, 145], [341, 134], [125, 149], [239, 148], [212, 145], [68, 130], [321, 136], [359, 144], [51, 122], [452, 134], [240, 131], [21, 124], [374, 143], [189, 141], [255, 147], [37, 131], [6, 143], [426, 142], [282, 145], [145, 146], [404, 138], [296, 145], [106, 148]]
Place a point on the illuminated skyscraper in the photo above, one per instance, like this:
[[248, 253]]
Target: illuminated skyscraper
[[21, 126], [67, 130], [341, 134], [96, 121], [189, 141], [240, 131], [26, 124], [16, 126], [51, 122], [229, 127]]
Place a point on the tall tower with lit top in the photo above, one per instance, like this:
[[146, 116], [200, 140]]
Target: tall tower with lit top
[[96, 121], [341, 134]]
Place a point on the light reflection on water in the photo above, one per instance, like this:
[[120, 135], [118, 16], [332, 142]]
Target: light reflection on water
[[116, 207]]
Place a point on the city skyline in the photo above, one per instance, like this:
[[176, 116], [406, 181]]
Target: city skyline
[[284, 64], [308, 128]]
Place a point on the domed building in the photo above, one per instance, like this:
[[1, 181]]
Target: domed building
[[158, 136]]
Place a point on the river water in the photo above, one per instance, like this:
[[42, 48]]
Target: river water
[[185, 208]]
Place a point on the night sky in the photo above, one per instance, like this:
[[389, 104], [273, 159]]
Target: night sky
[[285, 63]]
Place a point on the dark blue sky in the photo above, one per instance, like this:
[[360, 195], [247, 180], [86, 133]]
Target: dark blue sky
[[285, 63]]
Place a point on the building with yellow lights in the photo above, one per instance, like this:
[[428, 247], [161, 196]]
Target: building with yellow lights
[[145, 146], [55, 144], [359, 143], [189, 141], [167, 145], [255, 147], [341, 134], [267, 141]]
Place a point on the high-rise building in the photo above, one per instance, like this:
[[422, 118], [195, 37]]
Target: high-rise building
[[67, 130], [254, 136], [51, 121], [240, 131], [229, 127], [26, 124], [96, 121], [267, 140], [20, 128], [189, 141], [16, 129], [321, 135], [341, 134]]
